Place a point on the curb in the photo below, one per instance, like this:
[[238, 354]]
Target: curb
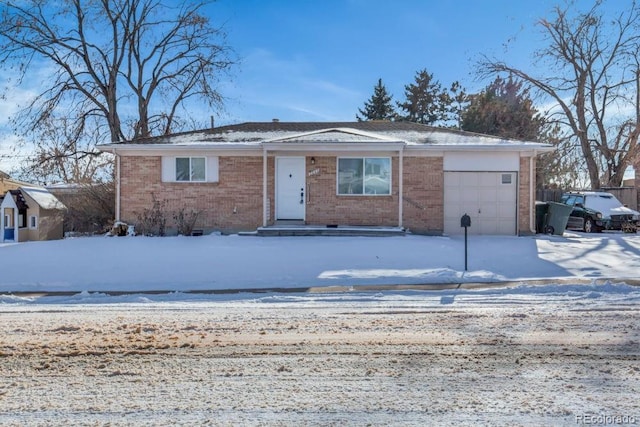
[[340, 288]]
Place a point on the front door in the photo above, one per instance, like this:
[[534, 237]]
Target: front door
[[290, 188]]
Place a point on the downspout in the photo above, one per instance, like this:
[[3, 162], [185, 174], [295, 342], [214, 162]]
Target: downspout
[[532, 194], [117, 186], [400, 182], [264, 186]]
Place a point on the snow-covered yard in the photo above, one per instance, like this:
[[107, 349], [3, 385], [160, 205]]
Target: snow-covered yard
[[102, 264], [557, 344]]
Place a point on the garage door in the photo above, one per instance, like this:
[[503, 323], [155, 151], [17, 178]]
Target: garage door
[[489, 198]]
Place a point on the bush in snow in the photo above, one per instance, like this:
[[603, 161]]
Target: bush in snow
[[152, 221], [185, 221]]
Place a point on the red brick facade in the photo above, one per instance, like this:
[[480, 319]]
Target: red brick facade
[[324, 206], [524, 196], [235, 203]]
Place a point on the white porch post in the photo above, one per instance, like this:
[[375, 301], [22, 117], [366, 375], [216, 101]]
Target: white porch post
[[2, 223], [400, 186], [16, 228], [265, 198]]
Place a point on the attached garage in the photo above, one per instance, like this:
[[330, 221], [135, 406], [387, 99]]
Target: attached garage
[[483, 187], [489, 198]]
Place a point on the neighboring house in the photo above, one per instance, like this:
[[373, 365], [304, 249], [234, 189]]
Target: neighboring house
[[30, 213], [374, 173], [6, 183]]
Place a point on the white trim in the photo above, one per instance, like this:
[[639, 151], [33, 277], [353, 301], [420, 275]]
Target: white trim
[[34, 219], [265, 187], [117, 186], [349, 131]]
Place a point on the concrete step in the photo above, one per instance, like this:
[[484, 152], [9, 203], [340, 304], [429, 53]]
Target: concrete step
[[318, 230]]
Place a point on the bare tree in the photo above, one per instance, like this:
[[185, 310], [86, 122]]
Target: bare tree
[[593, 78], [65, 153], [128, 67]]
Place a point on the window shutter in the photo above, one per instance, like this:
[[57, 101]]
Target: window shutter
[[212, 169], [168, 169]]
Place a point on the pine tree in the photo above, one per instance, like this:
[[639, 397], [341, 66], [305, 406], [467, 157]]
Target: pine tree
[[427, 102], [503, 109], [379, 106]]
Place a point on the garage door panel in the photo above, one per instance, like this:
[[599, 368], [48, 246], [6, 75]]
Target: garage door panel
[[489, 198], [487, 195], [469, 179], [486, 180]]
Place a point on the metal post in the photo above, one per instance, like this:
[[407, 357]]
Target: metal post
[[465, 249]]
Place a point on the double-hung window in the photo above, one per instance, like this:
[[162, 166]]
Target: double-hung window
[[364, 175], [190, 169]]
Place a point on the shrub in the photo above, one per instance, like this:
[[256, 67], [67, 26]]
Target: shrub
[[185, 221]]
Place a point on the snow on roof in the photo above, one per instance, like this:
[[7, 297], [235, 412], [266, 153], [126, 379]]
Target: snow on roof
[[43, 198], [257, 133], [334, 135]]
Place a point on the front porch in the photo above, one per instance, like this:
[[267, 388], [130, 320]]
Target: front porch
[[297, 228]]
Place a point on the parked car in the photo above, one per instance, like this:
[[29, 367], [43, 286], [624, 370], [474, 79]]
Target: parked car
[[594, 211]]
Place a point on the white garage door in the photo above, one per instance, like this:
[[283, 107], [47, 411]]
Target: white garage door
[[489, 198]]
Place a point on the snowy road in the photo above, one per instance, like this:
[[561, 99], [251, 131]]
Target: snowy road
[[538, 355]]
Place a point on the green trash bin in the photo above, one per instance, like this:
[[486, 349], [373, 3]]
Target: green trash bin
[[557, 217], [541, 216]]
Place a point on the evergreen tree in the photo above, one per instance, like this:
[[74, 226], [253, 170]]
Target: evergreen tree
[[379, 106], [428, 103], [503, 109]]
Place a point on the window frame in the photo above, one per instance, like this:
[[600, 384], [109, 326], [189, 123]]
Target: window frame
[[33, 222], [364, 175]]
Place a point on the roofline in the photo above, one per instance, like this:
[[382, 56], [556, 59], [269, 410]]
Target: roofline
[[322, 146], [374, 137]]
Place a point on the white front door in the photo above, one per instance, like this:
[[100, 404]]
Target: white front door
[[489, 198], [290, 188]]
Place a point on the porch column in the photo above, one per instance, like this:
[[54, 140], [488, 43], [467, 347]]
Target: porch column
[[2, 225], [16, 228], [400, 181], [265, 198]]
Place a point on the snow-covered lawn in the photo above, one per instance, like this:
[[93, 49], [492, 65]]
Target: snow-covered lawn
[[562, 350], [214, 262]]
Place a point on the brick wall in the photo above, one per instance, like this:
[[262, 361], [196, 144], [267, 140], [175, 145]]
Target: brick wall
[[524, 196], [235, 202], [324, 206], [423, 194], [232, 204]]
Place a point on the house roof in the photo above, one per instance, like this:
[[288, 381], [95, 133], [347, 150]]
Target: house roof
[[43, 198], [258, 133]]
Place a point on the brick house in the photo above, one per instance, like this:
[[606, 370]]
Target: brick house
[[377, 173]]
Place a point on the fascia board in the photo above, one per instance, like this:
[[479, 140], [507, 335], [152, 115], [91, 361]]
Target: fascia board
[[335, 147]]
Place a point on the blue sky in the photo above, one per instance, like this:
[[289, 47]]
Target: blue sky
[[319, 60]]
